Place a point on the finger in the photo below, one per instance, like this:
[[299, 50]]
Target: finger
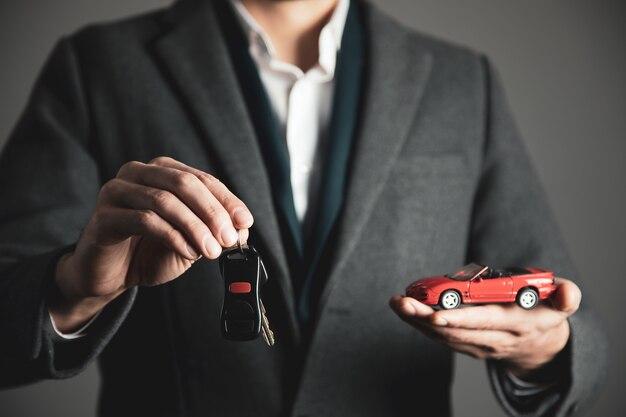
[[421, 324], [567, 296], [117, 224], [409, 309], [190, 190], [432, 332], [507, 317], [239, 213], [484, 317], [470, 350], [244, 234], [545, 317], [476, 343], [167, 206], [426, 329], [480, 344], [491, 340]]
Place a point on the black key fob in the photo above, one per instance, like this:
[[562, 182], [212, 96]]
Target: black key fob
[[244, 273]]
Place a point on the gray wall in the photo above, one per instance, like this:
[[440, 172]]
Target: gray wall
[[563, 63]]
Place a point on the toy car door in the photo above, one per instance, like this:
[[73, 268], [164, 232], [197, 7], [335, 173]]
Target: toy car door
[[485, 289]]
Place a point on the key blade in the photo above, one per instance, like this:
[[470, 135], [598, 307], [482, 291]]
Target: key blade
[[265, 337], [268, 334]]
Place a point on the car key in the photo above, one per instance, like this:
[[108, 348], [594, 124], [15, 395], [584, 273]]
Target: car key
[[243, 313]]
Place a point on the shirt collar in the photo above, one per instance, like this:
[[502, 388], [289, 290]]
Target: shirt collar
[[263, 52]]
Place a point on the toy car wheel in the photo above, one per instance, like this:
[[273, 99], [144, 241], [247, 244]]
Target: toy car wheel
[[449, 300], [527, 298]]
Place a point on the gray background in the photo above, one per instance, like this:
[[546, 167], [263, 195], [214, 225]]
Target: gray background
[[563, 63]]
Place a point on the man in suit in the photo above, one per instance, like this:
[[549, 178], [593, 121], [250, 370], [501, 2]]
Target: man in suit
[[356, 155]]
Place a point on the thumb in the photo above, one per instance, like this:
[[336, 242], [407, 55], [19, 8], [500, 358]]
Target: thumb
[[567, 296], [407, 307]]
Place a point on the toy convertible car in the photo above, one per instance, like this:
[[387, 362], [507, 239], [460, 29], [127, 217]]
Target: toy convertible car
[[475, 283]]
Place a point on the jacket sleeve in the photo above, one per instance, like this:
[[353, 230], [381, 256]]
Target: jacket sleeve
[[49, 182], [513, 225]]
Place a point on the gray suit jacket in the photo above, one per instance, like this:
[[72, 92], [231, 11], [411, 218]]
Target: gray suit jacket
[[439, 176]]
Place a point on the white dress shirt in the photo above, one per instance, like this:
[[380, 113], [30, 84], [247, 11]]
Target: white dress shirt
[[301, 101]]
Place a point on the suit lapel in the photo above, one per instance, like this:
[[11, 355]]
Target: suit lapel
[[397, 71], [394, 81], [195, 59]]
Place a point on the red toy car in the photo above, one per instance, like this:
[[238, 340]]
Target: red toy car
[[476, 283]]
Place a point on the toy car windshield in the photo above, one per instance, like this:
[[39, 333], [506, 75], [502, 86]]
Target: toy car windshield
[[467, 272]]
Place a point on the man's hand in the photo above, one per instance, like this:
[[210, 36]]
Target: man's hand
[[525, 340], [150, 224]]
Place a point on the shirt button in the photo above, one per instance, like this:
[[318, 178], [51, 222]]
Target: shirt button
[[305, 168]]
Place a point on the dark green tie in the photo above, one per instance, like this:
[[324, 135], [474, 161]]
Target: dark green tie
[[341, 135]]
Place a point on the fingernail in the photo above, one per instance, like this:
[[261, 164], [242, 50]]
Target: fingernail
[[440, 321], [242, 217], [192, 252], [212, 246], [229, 236]]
